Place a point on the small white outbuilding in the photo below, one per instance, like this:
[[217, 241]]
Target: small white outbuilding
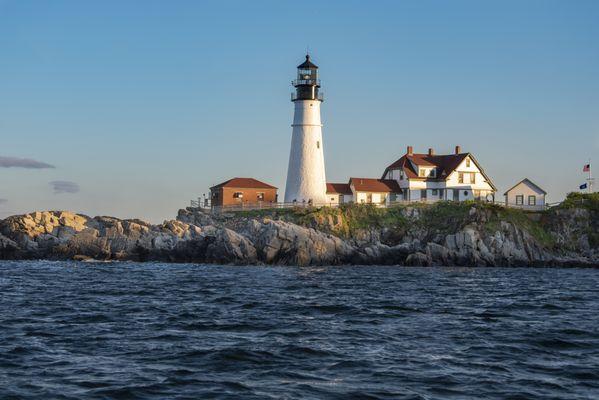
[[525, 194]]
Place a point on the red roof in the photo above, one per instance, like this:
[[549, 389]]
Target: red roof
[[244, 183], [339, 188], [445, 164], [375, 185]]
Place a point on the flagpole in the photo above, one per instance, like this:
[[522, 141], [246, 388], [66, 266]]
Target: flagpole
[[590, 178]]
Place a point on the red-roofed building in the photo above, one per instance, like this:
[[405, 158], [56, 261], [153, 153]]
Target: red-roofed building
[[338, 193], [364, 190], [432, 177], [377, 191], [242, 191]]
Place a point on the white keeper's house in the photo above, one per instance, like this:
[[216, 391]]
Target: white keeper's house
[[426, 177], [433, 177]]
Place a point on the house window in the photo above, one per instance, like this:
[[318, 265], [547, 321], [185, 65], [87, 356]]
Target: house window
[[441, 193], [460, 177], [532, 200], [401, 174], [318, 144], [465, 193], [435, 192], [423, 194], [472, 177], [519, 199], [260, 196], [468, 162], [422, 173], [238, 195]]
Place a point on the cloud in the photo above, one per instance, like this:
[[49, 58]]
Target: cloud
[[14, 162], [64, 187]]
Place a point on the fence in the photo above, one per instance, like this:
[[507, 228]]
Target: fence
[[207, 207], [256, 206]]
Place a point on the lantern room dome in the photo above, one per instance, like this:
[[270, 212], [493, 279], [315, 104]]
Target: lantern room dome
[[307, 63]]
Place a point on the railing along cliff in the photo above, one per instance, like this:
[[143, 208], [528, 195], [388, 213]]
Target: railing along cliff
[[206, 207]]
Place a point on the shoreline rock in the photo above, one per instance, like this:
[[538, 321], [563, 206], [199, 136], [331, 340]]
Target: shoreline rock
[[242, 240]]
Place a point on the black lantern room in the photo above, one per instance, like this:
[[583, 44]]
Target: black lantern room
[[307, 84]]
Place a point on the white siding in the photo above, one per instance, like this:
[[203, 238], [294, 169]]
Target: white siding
[[372, 197], [525, 190], [480, 184], [306, 175], [332, 198], [466, 190]]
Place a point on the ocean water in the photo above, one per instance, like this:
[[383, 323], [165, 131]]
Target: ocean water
[[156, 331]]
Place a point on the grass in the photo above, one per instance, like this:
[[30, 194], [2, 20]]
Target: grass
[[590, 201], [347, 220], [522, 220], [445, 217]]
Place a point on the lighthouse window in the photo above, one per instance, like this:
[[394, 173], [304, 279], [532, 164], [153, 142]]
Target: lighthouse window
[[318, 145]]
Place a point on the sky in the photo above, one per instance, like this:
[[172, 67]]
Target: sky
[[132, 109]]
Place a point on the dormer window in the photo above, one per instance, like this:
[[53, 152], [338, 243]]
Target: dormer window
[[427, 173]]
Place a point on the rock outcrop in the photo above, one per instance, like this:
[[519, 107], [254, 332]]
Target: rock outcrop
[[474, 238]]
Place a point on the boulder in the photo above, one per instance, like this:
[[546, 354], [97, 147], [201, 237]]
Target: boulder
[[418, 259]]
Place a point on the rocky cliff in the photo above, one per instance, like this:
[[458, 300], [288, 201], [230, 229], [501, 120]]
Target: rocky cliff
[[443, 234]]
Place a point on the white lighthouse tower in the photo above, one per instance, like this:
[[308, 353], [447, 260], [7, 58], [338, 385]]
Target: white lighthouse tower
[[306, 181]]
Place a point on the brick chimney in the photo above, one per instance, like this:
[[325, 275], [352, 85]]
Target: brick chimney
[[458, 149], [431, 151], [410, 150]]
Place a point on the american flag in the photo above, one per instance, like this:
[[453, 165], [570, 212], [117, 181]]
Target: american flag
[[586, 168]]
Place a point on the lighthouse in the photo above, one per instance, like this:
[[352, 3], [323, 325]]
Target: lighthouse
[[306, 181]]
